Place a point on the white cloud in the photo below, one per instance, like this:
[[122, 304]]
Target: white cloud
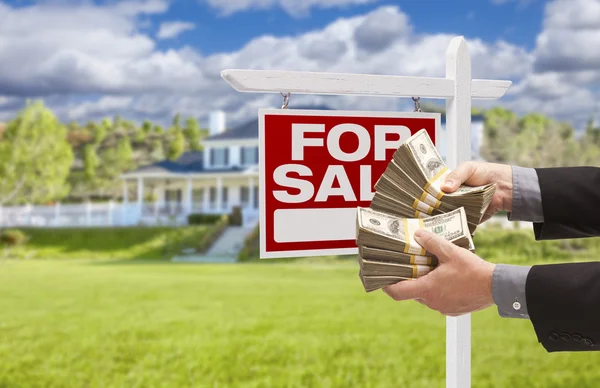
[[565, 79], [293, 7], [570, 35], [59, 51], [170, 30]]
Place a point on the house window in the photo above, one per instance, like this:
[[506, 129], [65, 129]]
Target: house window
[[249, 155], [198, 196], [225, 197], [244, 196], [219, 157], [255, 197], [173, 201], [173, 195], [213, 197]]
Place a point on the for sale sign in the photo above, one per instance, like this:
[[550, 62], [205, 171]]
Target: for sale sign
[[317, 167]]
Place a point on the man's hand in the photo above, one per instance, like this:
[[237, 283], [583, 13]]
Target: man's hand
[[461, 283], [479, 174]]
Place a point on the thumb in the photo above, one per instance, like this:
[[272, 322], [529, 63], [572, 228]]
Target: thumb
[[458, 176], [406, 289], [443, 249]]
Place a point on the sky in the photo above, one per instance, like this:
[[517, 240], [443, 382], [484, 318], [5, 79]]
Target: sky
[[149, 59]]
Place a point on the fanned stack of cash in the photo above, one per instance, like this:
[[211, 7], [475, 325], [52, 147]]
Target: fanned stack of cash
[[410, 185], [408, 197], [388, 252]]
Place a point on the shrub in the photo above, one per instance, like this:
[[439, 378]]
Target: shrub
[[12, 237], [250, 251], [203, 219], [236, 217], [209, 238]]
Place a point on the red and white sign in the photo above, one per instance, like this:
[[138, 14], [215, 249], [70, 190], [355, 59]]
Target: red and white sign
[[316, 167]]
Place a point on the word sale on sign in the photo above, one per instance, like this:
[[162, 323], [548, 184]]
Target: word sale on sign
[[317, 167]]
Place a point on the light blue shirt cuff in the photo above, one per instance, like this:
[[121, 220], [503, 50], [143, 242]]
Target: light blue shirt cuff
[[508, 290], [527, 197]]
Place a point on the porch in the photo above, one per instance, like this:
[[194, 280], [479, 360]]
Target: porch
[[171, 199]]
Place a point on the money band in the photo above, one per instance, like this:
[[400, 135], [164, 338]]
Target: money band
[[433, 186], [418, 214], [422, 260], [422, 207], [420, 270], [430, 200], [411, 225]]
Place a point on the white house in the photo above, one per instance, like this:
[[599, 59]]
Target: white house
[[224, 175]]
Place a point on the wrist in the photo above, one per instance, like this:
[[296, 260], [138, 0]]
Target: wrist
[[488, 275], [504, 186]]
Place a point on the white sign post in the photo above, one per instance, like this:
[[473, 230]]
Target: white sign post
[[457, 88]]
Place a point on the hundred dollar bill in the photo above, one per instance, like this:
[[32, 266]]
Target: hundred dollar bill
[[384, 231], [427, 167], [382, 255]]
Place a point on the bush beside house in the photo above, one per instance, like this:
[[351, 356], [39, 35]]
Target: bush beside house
[[203, 219], [251, 248], [211, 236]]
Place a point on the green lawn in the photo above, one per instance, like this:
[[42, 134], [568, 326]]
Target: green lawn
[[90, 323], [108, 243]]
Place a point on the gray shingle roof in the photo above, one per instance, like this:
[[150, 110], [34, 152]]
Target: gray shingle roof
[[188, 162]]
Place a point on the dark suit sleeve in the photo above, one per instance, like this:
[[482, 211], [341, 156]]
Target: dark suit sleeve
[[570, 202], [564, 305]]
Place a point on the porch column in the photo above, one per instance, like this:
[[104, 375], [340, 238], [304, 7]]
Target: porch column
[[188, 193], [125, 204], [205, 194], [140, 193], [219, 194], [251, 192], [125, 192]]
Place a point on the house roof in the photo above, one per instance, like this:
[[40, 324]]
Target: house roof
[[249, 130], [188, 162]]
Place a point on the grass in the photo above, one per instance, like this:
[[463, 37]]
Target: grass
[[90, 323], [108, 243], [94, 322]]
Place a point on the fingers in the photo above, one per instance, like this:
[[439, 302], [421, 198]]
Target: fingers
[[406, 290], [436, 245], [459, 176]]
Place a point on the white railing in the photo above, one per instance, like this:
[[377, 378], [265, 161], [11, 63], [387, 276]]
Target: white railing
[[111, 214]]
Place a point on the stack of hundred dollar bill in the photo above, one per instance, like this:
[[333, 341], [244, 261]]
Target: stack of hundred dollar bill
[[408, 197]]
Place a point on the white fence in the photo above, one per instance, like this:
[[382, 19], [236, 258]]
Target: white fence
[[109, 214]]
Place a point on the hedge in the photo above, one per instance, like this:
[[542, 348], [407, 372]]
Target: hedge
[[209, 238], [202, 219]]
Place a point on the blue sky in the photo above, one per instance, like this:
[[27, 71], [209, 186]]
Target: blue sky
[[216, 32], [153, 58]]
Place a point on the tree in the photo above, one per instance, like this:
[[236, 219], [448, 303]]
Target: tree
[[177, 121], [35, 157], [98, 131], [117, 123], [157, 151], [176, 143], [124, 154], [107, 125], [147, 127], [192, 134], [158, 130], [90, 162], [535, 140]]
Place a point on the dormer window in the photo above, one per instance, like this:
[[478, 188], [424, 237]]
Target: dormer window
[[249, 155], [219, 157]]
